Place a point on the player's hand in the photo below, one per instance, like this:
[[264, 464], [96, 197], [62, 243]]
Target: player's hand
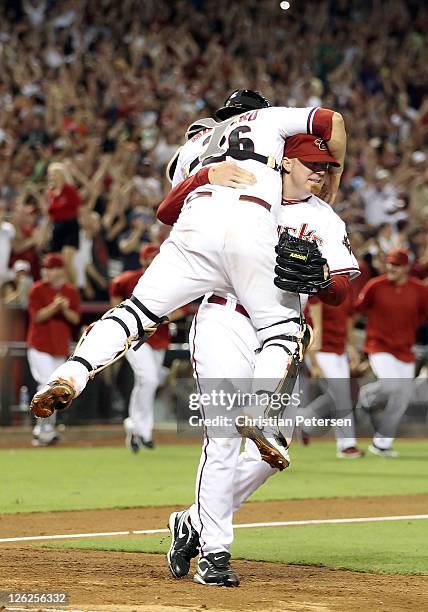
[[62, 302], [330, 187], [57, 301], [229, 174]]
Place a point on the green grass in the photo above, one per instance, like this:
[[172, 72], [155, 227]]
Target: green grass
[[385, 547], [82, 478]]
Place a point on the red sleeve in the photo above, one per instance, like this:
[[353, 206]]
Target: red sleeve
[[335, 293], [116, 288], [35, 300], [424, 296], [171, 206], [74, 300], [322, 123], [365, 298]]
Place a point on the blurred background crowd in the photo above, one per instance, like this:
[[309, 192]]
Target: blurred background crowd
[[96, 96]]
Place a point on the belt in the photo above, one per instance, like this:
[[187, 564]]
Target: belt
[[216, 299], [243, 198], [248, 198], [199, 194]]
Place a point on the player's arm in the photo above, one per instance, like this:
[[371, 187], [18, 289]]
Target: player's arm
[[38, 311], [315, 313], [351, 344], [116, 292], [342, 263], [336, 293], [365, 299], [227, 174], [337, 147], [69, 314], [70, 307]]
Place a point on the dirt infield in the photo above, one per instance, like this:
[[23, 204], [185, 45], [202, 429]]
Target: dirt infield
[[126, 582]]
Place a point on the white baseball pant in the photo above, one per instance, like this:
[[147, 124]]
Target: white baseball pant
[[223, 344], [394, 386], [41, 367], [146, 364], [216, 244], [337, 390]]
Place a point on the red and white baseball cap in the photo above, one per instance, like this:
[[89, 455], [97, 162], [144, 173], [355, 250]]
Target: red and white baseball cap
[[52, 260], [398, 257], [307, 147]]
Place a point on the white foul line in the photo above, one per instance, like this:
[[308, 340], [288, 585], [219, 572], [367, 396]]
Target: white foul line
[[369, 519]]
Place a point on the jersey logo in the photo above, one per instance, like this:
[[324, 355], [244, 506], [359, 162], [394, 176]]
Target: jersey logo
[[303, 233], [321, 144], [347, 244]]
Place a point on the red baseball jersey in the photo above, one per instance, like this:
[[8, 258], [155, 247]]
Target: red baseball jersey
[[122, 287], [335, 326], [394, 313], [64, 206], [54, 335]]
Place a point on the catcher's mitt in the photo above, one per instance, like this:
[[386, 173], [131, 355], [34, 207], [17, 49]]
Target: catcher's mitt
[[300, 266]]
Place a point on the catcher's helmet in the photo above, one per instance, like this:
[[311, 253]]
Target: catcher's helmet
[[240, 101]]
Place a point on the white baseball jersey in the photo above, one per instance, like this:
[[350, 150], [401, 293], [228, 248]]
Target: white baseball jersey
[[315, 220], [260, 131]]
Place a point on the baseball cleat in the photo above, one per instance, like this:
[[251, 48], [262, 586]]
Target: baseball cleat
[[215, 570], [57, 395], [45, 441], [184, 544], [273, 449], [148, 444], [352, 452], [133, 442], [382, 452]]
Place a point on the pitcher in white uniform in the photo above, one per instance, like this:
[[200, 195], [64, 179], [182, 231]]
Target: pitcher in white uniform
[[223, 343]]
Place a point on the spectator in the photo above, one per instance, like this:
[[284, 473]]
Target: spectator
[[54, 308], [7, 234], [63, 204], [16, 293], [396, 305]]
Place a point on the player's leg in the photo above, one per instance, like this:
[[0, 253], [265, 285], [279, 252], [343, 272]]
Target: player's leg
[[222, 344], [146, 364], [249, 258], [41, 367], [186, 268], [251, 472], [396, 378], [220, 355], [336, 376]]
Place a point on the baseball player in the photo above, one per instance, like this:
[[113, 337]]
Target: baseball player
[[223, 343], [396, 305], [146, 363], [53, 307], [224, 238], [332, 363]]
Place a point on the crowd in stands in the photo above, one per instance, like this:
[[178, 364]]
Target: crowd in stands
[[95, 98]]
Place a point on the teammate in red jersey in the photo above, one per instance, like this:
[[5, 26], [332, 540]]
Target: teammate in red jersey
[[396, 305], [146, 362], [333, 325], [54, 308]]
